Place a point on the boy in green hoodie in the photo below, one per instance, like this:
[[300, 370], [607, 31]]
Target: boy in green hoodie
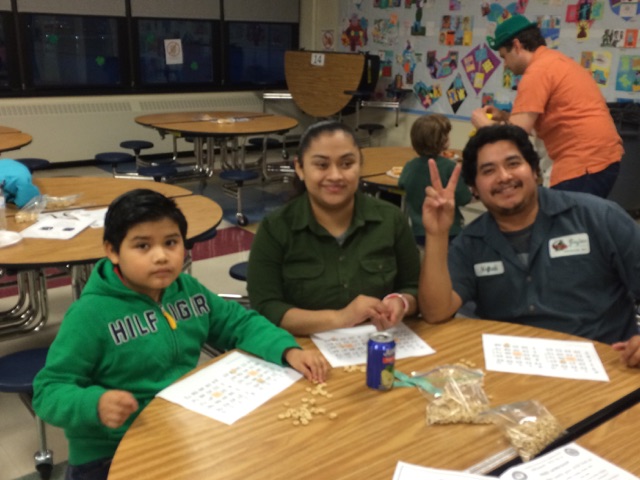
[[138, 326]]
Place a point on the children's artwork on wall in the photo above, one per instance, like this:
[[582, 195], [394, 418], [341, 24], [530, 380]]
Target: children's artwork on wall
[[487, 99], [428, 46], [624, 8], [386, 63], [497, 13], [599, 63], [479, 64], [408, 62], [583, 30], [617, 39], [417, 28], [456, 30], [549, 26], [427, 94], [510, 80], [444, 67], [328, 42], [628, 78], [385, 31], [355, 35], [631, 38], [456, 94]]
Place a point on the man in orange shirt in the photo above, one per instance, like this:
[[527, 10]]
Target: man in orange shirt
[[559, 99]]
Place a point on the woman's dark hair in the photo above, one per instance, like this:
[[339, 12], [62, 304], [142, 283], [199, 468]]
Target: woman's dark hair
[[494, 134], [139, 206], [309, 135]]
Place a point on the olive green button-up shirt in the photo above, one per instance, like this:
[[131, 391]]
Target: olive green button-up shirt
[[295, 262]]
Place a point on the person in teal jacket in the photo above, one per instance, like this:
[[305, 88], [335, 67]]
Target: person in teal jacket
[[17, 185], [139, 326], [430, 138]]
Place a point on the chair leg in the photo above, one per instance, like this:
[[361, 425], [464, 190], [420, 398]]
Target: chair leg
[[43, 457], [241, 218]]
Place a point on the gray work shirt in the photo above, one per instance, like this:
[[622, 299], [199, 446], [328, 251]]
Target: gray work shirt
[[583, 272]]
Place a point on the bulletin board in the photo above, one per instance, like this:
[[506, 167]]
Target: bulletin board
[[438, 48]]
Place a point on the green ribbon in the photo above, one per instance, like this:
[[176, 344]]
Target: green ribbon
[[404, 380]]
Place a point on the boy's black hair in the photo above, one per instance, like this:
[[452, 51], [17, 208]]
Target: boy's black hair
[[139, 206], [494, 134]]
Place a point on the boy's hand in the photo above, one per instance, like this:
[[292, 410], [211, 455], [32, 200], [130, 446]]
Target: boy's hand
[[115, 407], [309, 363]]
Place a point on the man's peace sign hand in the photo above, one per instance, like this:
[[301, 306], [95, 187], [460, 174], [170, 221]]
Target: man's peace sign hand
[[439, 203]]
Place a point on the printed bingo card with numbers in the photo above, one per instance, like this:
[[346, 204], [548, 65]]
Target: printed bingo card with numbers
[[348, 346], [537, 356], [230, 388]]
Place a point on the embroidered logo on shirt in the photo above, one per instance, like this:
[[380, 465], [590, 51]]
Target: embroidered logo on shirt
[[488, 269], [577, 244]]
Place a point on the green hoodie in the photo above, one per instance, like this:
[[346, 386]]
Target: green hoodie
[[115, 338]]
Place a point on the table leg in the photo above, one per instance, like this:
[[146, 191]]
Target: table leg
[[36, 310]]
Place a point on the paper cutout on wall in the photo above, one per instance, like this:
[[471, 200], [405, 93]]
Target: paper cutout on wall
[[624, 8], [408, 62], [428, 94], [510, 80], [479, 64], [384, 31], [599, 63], [386, 63], [355, 35], [417, 28], [444, 67], [386, 3], [454, 5], [456, 30], [456, 94], [549, 26], [328, 39], [497, 13], [628, 78]]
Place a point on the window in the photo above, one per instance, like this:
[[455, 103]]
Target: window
[[174, 51], [73, 50], [255, 56]]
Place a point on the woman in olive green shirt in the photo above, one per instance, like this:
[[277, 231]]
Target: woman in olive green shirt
[[333, 257]]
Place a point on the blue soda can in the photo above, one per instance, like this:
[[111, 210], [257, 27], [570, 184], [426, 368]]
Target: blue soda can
[[381, 357]]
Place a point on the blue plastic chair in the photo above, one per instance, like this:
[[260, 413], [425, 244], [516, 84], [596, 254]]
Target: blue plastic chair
[[17, 371]]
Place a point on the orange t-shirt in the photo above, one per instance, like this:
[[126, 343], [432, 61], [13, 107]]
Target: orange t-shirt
[[574, 121]]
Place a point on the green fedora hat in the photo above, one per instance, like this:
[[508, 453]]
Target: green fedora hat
[[509, 29]]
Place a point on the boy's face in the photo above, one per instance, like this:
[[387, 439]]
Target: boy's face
[[150, 258]]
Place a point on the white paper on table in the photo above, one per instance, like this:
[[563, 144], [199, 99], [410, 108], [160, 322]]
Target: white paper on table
[[96, 216], [230, 388], [407, 471], [569, 462], [348, 346], [56, 228], [538, 356]]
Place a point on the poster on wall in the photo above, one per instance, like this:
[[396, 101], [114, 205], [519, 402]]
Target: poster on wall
[[479, 65]]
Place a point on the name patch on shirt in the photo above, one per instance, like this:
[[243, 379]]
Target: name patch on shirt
[[488, 269], [576, 244]]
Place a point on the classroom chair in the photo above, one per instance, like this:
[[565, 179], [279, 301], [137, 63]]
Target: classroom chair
[[34, 164], [114, 159], [189, 244], [17, 371], [137, 146], [238, 271], [236, 179]]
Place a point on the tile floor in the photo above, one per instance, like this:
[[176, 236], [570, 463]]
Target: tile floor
[[18, 438]]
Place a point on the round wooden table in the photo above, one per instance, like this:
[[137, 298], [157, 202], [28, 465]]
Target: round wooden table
[[215, 129], [11, 139], [373, 430], [30, 256]]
